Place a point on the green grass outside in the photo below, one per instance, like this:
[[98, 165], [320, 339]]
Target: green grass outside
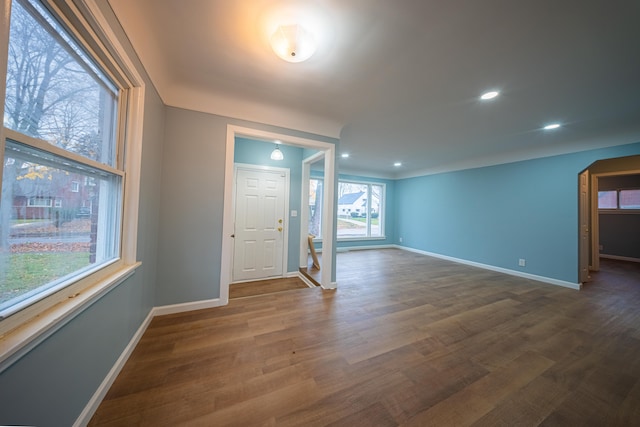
[[374, 221], [28, 271]]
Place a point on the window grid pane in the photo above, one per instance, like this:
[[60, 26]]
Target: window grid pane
[[315, 206], [44, 243], [607, 199], [630, 199], [52, 93]]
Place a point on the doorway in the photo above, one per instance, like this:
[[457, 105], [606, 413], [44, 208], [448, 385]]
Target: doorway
[[588, 212], [328, 233]]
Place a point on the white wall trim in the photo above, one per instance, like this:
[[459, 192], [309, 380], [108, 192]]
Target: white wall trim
[[362, 248], [332, 286], [543, 279], [96, 399], [187, 306], [620, 258]]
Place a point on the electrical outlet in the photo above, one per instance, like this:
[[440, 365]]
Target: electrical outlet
[[522, 262], [400, 239]]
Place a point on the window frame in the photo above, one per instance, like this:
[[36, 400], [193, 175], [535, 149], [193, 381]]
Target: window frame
[[618, 209], [28, 327], [381, 215]]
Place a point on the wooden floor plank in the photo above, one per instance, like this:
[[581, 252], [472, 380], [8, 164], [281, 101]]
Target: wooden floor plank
[[405, 340]]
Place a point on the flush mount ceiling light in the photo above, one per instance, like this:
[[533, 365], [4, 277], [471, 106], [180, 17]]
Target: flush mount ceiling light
[[397, 164], [293, 43], [489, 95], [345, 155], [551, 126], [276, 154]]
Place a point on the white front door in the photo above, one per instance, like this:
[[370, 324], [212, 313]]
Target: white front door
[[259, 224]]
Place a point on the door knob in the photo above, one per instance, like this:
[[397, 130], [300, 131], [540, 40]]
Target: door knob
[[279, 228]]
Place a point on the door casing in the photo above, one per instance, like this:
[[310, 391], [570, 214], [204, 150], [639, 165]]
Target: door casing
[[328, 220]]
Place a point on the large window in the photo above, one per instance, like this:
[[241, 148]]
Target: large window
[[360, 210], [60, 123]]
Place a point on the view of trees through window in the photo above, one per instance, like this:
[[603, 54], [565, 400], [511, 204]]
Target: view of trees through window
[[60, 212], [315, 206]]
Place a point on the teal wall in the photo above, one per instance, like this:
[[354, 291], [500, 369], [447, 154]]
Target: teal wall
[[193, 182], [498, 214], [258, 153]]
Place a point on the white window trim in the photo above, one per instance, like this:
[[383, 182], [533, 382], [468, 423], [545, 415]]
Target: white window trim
[[381, 214], [24, 330]]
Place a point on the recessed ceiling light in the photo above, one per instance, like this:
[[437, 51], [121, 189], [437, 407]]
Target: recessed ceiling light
[[397, 164], [551, 126], [345, 155], [489, 95]]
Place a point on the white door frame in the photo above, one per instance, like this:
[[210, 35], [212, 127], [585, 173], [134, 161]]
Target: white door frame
[[285, 225], [228, 212]]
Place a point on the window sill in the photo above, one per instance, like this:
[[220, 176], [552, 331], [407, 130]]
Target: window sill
[[19, 341], [619, 211]]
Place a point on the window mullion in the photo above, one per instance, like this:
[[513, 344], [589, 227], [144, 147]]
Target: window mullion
[[368, 210], [57, 151]]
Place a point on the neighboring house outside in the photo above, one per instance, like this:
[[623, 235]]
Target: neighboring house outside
[[352, 204], [52, 195]]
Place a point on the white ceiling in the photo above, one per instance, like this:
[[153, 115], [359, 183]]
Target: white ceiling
[[400, 80]]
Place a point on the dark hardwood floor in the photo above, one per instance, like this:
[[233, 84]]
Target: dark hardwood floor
[[405, 340]]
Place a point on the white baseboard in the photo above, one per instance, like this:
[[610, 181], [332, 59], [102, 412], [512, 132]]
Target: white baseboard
[[543, 279], [96, 399], [362, 248], [620, 258], [333, 285], [187, 306]]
